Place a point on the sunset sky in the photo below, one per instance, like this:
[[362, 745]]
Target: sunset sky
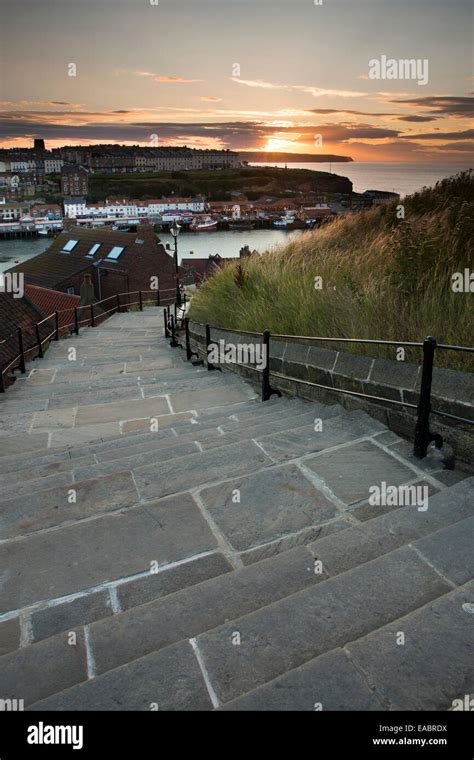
[[171, 69]]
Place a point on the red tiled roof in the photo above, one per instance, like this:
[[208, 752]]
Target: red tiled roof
[[48, 301]]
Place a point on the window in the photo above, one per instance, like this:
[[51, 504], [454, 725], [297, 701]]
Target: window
[[115, 252], [93, 250], [71, 291], [68, 247]]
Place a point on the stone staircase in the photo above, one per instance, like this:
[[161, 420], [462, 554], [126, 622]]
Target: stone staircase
[[169, 542]]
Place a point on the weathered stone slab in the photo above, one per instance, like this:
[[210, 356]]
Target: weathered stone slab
[[273, 503], [450, 550], [13, 443], [78, 557], [395, 373], [350, 471], [168, 680], [69, 614], [212, 397], [9, 636], [40, 376], [36, 511], [85, 434], [16, 423], [323, 358], [330, 682], [366, 511], [121, 411], [164, 421], [289, 633], [155, 481], [41, 669], [27, 486], [434, 666], [353, 365], [137, 460], [158, 584], [334, 431], [186, 613]]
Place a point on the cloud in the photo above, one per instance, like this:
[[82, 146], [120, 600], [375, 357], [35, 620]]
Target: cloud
[[448, 105], [174, 80], [316, 92], [467, 134], [322, 111], [210, 99]]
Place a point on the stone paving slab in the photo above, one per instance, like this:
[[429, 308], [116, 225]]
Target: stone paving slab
[[26, 443], [330, 682], [52, 507], [186, 613], [434, 666], [119, 410], [77, 557], [363, 543], [56, 418], [66, 616], [167, 680], [36, 671], [155, 481], [84, 434], [211, 397], [9, 636], [365, 510], [169, 580], [272, 503], [105, 395], [334, 431], [16, 423], [451, 551], [51, 467], [125, 464], [293, 631], [351, 471], [24, 487]]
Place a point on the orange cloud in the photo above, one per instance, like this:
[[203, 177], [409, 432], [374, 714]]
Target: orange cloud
[[175, 80]]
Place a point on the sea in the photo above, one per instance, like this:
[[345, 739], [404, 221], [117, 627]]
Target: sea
[[403, 178]]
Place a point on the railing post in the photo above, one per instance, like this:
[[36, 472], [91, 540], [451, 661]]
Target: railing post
[[158, 303], [56, 319], [2, 382], [267, 389], [22, 351], [76, 321], [118, 302], [210, 366], [423, 436], [38, 339], [165, 317], [140, 298], [189, 353], [92, 316], [174, 343]]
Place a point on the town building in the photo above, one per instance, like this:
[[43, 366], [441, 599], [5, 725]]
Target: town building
[[77, 208], [117, 262], [74, 180]]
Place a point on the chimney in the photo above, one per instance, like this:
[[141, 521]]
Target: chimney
[[87, 291]]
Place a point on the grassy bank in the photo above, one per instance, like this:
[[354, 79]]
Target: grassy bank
[[382, 277]]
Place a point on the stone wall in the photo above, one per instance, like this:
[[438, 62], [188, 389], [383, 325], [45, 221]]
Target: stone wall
[[452, 391]]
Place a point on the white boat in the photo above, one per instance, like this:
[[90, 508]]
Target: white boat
[[203, 225], [281, 223], [43, 232]]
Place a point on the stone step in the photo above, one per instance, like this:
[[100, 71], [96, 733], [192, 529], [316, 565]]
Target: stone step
[[181, 615], [363, 543], [431, 670], [167, 680], [63, 615], [79, 557], [284, 632], [295, 630]]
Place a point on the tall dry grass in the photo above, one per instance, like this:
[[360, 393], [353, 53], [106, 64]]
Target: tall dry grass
[[383, 277]]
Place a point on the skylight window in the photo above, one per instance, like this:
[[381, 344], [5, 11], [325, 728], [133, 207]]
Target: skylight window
[[68, 247], [115, 252], [93, 250]]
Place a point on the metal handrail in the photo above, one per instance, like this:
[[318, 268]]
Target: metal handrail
[[423, 434], [18, 361]]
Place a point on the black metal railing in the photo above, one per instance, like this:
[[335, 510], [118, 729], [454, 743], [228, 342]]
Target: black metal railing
[[423, 435], [28, 343]]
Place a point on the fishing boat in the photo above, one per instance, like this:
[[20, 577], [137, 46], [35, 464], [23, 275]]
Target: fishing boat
[[203, 225], [280, 224]]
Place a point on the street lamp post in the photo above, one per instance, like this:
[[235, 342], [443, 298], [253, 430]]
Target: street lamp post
[[175, 230]]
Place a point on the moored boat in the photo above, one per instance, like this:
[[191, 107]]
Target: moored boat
[[203, 225]]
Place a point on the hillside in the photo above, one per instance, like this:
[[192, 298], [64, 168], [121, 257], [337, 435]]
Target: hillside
[[216, 185], [382, 277]]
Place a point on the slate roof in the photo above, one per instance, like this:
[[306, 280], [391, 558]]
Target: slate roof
[[15, 313], [53, 267]]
